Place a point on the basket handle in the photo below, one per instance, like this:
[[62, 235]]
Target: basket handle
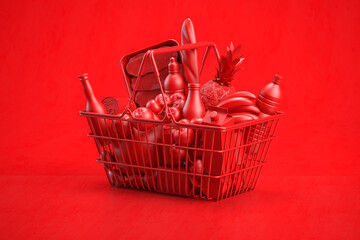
[[150, 54]]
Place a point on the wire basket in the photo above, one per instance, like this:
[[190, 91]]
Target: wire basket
[[207, 162]]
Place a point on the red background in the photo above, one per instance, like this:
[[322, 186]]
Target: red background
[[314, 45]]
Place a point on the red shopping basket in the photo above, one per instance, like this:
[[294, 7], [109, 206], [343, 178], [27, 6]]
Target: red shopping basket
[[231, 158]]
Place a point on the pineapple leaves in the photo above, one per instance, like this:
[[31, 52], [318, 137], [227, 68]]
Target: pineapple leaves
[[236, 52], [229, 65]]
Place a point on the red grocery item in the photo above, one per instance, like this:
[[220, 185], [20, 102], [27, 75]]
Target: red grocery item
[[189, 57], [194, 107], [174, 82], [132, 67], [98, 126], [149, 88], [269, 98], [149, 82]]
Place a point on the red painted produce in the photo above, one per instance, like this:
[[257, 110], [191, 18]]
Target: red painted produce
[[215, 90], [179, 104], [122, 128], [143, 113], [177, 96], [178, 153], [160, 99], [184, 136], [153, 106], [189, 57], [197, 167], [175, 112], [184, 121], [243, 117]]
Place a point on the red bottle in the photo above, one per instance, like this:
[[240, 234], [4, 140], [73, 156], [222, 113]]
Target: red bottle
[[174, 82], [94, 106], [269, 98], [194, 107]]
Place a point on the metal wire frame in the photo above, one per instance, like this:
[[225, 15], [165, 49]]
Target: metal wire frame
[[140, 162]]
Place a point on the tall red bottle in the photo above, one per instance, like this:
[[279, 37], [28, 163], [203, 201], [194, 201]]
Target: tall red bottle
[[94, 106], [194, 107], [269, 98], [174, 82]]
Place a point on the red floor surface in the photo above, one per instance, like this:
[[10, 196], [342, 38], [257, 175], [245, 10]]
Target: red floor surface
[[88, 208]]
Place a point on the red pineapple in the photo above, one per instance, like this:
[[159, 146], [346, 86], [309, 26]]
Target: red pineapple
[[214, 90]]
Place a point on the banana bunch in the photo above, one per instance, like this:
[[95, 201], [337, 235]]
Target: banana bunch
[[241, 106]]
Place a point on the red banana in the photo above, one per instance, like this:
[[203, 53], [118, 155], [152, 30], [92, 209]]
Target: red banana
[[243, 117], [244, 94], [235, 102]]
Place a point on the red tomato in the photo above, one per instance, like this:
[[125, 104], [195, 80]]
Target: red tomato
[[143, 152], [157, 117], [179, 104], [175, 113], [184, 121], [143, 113], [197, 167], [122, 128], [196, 121], [154, 106], [160, 100], [178, 155], [177, 96], [184, 136]]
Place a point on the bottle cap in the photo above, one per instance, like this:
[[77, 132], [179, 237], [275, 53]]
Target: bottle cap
[[277, 79], [83, 76], [173, 66], [214, 116]]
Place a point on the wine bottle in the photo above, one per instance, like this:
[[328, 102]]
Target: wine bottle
[[94, 106]]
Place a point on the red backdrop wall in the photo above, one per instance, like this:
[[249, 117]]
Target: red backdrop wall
[[314, 45]]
